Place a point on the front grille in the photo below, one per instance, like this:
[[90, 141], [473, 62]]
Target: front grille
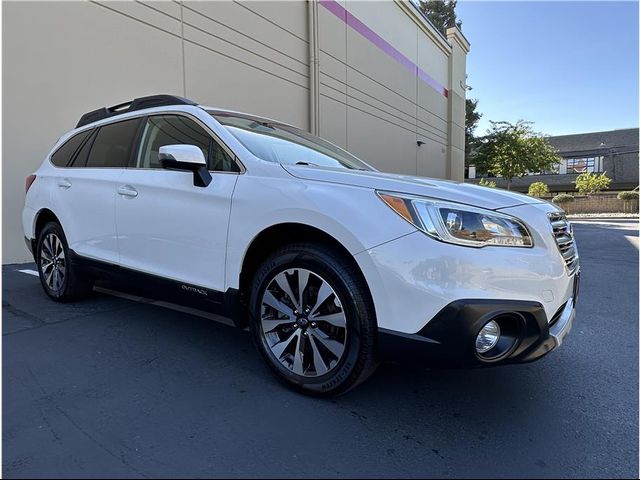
[[563, 233]]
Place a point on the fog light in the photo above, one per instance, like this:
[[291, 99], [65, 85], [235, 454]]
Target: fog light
[[488, 337]]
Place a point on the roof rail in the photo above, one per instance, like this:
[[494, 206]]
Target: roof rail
[[135, 104]]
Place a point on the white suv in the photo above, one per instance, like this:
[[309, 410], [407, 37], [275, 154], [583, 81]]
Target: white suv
[[332, 265]]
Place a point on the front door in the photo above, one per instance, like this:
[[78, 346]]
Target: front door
[[166, 225]]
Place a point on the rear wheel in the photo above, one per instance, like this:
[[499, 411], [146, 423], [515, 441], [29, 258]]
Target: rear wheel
[[60, 279], [313, 320]]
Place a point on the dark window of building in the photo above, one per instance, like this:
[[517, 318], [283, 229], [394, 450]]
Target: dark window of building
[[65, 153], [162, 130], [112, 145]]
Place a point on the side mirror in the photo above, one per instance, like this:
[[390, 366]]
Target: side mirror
[[186, 158]]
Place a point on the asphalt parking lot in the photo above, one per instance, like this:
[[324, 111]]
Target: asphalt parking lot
[[111, 387]]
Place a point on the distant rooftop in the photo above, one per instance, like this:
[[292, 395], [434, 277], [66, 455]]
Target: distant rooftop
[[626, 138]]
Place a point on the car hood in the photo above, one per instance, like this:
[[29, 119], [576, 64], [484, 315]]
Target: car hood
[[467, 193]]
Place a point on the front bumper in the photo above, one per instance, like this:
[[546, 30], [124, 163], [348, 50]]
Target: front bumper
[[448, 340]]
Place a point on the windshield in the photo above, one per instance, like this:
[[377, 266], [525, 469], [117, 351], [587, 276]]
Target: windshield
[[284, 144]]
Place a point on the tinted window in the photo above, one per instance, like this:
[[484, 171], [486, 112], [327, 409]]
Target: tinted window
[[65, 153], [164, 130], [113, 144], [80, 159]]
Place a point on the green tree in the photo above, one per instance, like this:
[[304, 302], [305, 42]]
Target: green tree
[[442, 13], [514, 150], [588, 183], [472, 117], [538, 189]]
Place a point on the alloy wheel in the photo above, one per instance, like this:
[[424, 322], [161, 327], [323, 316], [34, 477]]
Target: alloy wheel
[[303, 323], [53, 265]]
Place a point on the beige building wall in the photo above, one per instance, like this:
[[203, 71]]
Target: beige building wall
[[61, 59]]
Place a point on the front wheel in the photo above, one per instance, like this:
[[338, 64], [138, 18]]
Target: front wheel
[[313, 320]]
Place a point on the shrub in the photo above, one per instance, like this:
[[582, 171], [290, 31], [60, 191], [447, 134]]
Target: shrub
[[487, 183], [631, 195], [564, 200], [538, 189], [588, 183], [628, 198]]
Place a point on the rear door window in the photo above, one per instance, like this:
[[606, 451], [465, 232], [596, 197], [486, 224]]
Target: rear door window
[[65, 153], [113, 145]]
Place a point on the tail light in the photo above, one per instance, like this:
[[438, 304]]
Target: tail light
[[28, 182]]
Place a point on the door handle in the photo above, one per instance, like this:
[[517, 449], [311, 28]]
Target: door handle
[[64, 183], [127, 191]]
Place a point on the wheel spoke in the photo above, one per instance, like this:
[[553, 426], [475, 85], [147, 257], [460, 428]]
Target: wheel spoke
[[333, 346], [45, 255], [283, 282], [297, 356], [318, 361], [268, 325], [46, 246], [336, 319], [58, 245], [303, 279], [324, 293], [281, 346], [48, 277], [273, 302]]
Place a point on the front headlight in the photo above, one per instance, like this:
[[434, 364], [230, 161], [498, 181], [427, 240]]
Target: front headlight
[[457, 223]]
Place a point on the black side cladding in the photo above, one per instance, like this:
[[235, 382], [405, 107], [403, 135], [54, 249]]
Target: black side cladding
[[135, 104]]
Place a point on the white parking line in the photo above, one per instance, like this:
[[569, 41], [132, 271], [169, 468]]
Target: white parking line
[[29, 272]]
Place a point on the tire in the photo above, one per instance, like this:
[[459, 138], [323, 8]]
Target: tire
[[324, 343], [61, 280]]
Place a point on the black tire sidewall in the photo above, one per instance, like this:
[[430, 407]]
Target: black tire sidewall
[[322, 263]]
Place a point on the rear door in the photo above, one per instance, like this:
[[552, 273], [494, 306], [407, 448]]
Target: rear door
[[166, 225], [84, 192]]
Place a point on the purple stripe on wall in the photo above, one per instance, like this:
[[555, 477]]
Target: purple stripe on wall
[[348, 18]]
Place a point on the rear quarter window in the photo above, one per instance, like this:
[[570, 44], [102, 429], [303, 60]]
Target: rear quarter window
[[113, 145], [63, 155]]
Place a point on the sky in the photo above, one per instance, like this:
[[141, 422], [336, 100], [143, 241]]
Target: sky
[[570, 67]]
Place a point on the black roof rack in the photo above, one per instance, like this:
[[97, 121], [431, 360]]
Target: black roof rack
[[133, 105]]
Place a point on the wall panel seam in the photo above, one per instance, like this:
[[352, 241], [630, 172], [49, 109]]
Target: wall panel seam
[[158, 10], [271, 22], [246, 36], [305, 75], [413, 104], [380, 118], [370, 105], [382, 85], [94, 2], [306, 87]]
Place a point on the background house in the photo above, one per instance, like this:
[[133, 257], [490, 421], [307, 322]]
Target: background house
[[614, 152]]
